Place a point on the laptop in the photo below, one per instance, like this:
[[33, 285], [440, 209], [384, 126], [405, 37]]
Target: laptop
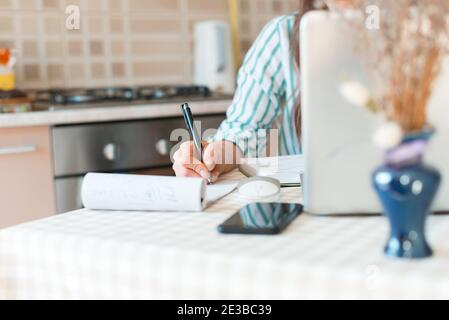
[[339, 154]]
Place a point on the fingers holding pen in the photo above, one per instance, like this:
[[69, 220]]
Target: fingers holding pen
[[218, 158], [209, 157], [186, 157], [182, 171]]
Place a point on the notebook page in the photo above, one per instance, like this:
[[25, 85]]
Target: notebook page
[[218, 190]]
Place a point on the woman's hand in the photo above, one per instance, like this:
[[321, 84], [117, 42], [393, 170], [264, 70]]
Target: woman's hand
[[218, 157]]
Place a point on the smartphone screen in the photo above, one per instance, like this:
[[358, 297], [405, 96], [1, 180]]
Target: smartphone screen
[[261, 218]]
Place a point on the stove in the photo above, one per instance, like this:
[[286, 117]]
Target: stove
[[60, 99]]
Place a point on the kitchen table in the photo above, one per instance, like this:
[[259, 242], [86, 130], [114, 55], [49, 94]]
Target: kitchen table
[[156, 255]]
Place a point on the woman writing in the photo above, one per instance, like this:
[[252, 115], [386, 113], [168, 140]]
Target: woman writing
[[267, 97]]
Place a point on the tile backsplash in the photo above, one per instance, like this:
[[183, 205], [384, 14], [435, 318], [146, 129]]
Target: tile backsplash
[[120, 42]]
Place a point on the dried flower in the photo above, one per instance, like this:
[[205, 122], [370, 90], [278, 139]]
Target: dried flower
[[404, 55], [358, 95], [388, 136]]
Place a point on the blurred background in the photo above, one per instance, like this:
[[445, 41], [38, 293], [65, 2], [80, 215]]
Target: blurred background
[[105, 97], [120, 42]]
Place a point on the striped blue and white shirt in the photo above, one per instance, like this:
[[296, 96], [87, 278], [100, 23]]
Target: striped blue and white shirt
[[267, 88]]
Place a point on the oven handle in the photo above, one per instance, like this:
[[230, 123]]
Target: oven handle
[[18, 150]]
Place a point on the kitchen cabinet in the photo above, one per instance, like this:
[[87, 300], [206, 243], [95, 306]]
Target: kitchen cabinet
[[26, 186]]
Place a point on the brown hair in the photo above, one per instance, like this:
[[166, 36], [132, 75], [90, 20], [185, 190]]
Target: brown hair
[[304, 7]]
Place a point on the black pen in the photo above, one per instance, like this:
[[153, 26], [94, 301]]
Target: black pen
[[188, 117]]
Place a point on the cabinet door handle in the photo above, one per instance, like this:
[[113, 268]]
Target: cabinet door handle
[[163, 147], [18, 149], [111, 152]]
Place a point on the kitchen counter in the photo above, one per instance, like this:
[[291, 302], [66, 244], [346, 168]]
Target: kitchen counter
[[103, 114]]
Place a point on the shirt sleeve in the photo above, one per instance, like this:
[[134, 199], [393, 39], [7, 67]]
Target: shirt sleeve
[[260, 87]]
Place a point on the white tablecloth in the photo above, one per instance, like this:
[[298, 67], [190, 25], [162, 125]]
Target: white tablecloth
[[157, 255]]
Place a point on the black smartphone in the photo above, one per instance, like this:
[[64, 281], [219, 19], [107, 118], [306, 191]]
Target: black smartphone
[[261, 218]]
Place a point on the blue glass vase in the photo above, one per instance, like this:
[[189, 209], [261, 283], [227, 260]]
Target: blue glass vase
[[407, 188]]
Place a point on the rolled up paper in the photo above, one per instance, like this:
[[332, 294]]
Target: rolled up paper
[[101, 191], [141, 193]]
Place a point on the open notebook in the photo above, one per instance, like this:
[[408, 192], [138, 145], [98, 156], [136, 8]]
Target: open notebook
[[101, 191], [286, 169]]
